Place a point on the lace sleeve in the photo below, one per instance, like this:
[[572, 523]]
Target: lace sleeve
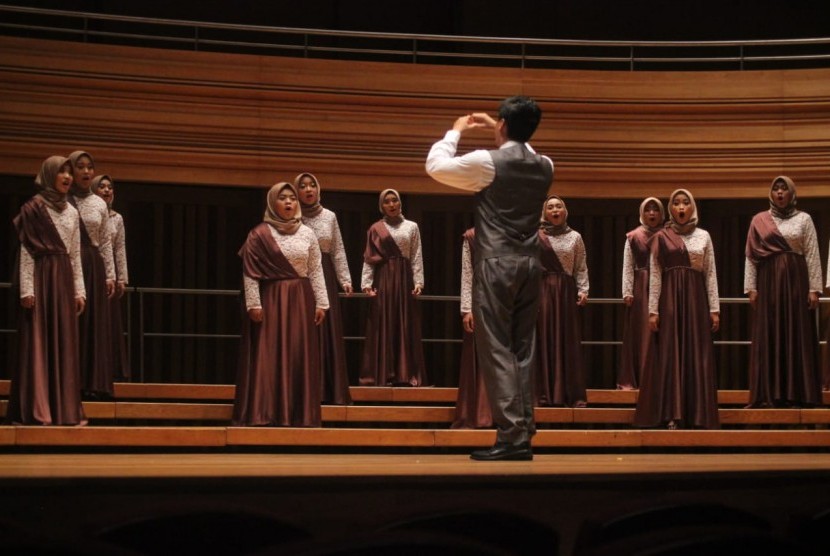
[[711, 275], [341, 263], [252, 300], [628, 271], [655, 284], [750, 276], [417, 257], [466, 279], [315, 273], [75, 257], [105, 245], [367, 277], [581, 267], [27, 273], [119, 250], [811, 254]]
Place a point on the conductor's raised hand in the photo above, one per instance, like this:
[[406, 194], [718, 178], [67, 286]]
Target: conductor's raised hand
[[484, 120]]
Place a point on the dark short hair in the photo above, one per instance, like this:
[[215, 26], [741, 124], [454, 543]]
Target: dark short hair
[[522, 116]]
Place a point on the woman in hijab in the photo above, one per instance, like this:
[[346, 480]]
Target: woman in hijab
[[104, 187], [278, 379], [681, 390], [99, 278], [472, 407], [335, 378], [639, 347], [782, 277], [393, 275], [46, 382], [560, 379]]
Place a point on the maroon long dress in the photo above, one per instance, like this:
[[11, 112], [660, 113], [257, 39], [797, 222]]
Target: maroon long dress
[[639, 348], [472, 406], [393, 352], [278, 378], [784, 357], [46, 382], [682, 387], [560, 379], [334, 383], [94, 324]]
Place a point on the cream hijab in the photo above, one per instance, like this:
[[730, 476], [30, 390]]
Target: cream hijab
[[284, 226]]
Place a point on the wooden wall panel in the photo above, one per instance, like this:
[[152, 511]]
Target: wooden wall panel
[[177, 117]]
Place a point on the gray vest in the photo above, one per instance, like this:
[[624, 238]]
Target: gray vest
[[508, 210]]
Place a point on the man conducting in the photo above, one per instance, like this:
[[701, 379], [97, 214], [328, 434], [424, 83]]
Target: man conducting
[[511, 184]]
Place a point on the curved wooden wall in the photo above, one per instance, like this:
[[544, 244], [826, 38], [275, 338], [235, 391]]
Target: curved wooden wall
[[182, 117]]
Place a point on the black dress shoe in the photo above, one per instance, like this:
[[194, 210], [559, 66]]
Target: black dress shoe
[[503, 451]]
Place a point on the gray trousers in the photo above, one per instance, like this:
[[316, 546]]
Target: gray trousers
[[505, 308]]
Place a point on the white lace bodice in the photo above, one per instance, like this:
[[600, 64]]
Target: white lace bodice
[[702, 258], [119, 247], [628, 271], [408, 239], [303, 252], [67, 223], [466, 279], [327, 230], [800, 234], [95, 215], [570, 250]]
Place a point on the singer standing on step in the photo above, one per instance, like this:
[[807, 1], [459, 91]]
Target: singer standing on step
[[335, 377], [511, 183], [278, 379], [46, 381]]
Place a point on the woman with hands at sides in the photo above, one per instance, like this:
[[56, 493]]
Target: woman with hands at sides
[[393, 275], [104, 187], [335, 377], [680, 391], [782, 277], [639, 348], [278, 379], [561, 379], [46, 381], [99, 278]]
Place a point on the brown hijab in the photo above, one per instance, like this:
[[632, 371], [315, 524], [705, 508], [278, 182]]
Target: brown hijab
[[789, 211], [284, 226], [73, 158], [689, 226], [659, 204], [392, 221], [96, 185], [45, 182], [549, 228], [316, 208]]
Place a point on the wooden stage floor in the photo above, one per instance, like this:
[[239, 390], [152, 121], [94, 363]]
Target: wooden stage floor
[[223, 465]]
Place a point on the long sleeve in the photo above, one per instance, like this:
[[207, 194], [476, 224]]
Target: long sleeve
[[655, 284], [315, 274], [472, 172], [711, 276], [106, 247], [581, 267], [466, 279], [628, 271], [417, 258], [251, 287], [811, 253], [750, 276], [367, 276], [341, 263], [27, 273], [119, 248]]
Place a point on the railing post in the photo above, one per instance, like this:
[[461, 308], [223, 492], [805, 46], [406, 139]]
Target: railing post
[[741, 55], [305, 45], [129, 330], [86, 29], [524, 53], [141, 333], [196, 39], [631, 58], [414, 51]]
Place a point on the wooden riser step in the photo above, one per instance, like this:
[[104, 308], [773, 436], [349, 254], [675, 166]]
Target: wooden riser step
[[368, 394], [377, 414], [107, 437]]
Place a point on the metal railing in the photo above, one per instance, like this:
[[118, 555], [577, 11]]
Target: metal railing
[[142, 334], [412, 48]]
